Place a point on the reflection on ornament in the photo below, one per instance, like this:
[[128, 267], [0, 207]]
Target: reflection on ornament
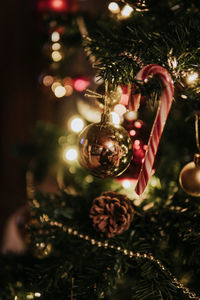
[[189, 177], [105, 149]]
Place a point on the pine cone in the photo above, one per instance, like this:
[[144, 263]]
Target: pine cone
[[112, 213]]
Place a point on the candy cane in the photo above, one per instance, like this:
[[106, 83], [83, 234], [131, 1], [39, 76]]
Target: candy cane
[[159, 123]]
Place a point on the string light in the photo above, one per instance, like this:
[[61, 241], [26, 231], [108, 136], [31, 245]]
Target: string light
[[56, 46], [60, 91], [56, 56], [76, 124], [37, 295], [70, 154], [81, 84], [69, 89], [114, 7], [55, 36], [126, 11], [55, 85], [47, 80]]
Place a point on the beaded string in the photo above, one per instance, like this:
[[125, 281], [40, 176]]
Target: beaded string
[[128, 253], [106, 245]]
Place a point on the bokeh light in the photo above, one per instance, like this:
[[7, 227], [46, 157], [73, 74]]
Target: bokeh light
[[126, 11], [56, 46], [114, 7], [81, 84], [70, 154], [115, 119], [120, 109], [126, 184], [56, 56], [55, 36], [47, 80], [55, 85], [77, 124], [192, 77], [60, 91]]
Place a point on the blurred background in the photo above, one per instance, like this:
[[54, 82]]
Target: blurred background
[[24, 99]]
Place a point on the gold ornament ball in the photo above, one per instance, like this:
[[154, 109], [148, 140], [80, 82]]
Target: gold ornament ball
[[114, 96], [190, 177], [105, 149]]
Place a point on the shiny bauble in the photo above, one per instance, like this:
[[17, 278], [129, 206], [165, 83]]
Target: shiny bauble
[[114, 96], [105, 149], [189, 177]]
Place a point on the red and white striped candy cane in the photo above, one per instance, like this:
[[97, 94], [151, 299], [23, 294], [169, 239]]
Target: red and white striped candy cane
[[159, 123]]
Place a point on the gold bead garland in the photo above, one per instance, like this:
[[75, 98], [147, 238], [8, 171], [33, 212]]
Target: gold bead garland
[[106, 245], [128, 253]]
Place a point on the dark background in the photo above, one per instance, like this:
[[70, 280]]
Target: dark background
[[23, 100]]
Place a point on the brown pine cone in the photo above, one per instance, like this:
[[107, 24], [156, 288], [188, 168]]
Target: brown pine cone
[[112, 213]]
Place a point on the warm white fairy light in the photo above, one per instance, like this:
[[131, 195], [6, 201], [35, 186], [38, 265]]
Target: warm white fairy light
[[60, 91], [55, 36], [30, 296], [77, 124], [126, 183], [114, 7], [37, 295], [55, 85], [131, 115], [47, 80], [115, 119], [56, 46], [70, 154], [192, 77], [56, 56], [126, 11]]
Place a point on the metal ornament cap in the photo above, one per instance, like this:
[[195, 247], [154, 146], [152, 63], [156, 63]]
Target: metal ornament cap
[[105, 149], [189, 178]]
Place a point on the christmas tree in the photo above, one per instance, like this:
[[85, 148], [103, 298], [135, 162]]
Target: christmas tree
[[113, 188]]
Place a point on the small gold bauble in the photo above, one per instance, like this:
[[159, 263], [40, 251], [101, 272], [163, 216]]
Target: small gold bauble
[[105, 149], [190, 177], [113, 97]]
